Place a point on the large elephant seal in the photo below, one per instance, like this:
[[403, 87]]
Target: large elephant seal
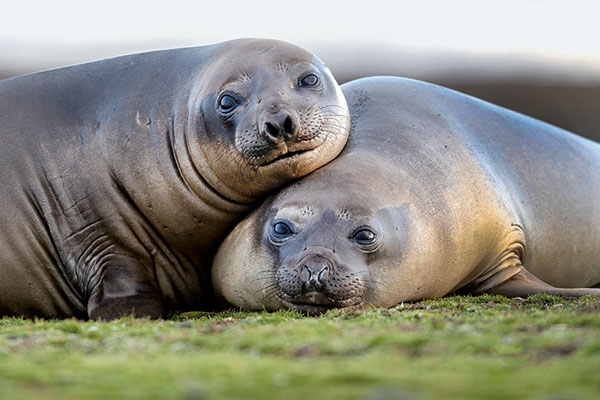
[[435, 192], [119, 178]]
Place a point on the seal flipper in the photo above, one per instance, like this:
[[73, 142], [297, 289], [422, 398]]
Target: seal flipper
[[507, 276], [525, 283], [125, 288], [504, 262]]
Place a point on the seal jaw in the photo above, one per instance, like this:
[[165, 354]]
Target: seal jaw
[[315, 284], [321, 306], [287, 133]]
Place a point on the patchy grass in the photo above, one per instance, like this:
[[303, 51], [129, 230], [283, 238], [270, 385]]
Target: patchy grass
[[486, 347]]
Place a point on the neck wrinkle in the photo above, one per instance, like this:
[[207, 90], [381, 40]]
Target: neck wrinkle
[[195, 174]]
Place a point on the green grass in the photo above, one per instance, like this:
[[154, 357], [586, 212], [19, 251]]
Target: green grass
[[486, 347]]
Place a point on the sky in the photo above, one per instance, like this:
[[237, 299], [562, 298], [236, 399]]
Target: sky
[[41, 34]]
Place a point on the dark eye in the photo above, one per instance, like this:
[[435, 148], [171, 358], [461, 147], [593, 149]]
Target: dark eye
[[282, 230], [364, 236], [309, 80], [227, 103]]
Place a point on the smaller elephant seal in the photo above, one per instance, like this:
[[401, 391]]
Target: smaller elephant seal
[[436, 192], [120, 178]]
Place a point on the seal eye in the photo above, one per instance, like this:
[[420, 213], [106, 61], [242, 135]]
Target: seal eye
[[364, 236], [282, 229], [227, 103], [309, 80]]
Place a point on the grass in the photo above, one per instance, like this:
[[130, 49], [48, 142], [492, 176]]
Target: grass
[[486, 347]]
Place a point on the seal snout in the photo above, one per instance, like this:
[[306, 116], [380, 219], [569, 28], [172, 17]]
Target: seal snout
[[317, 283], [278, 127], [314, 274]]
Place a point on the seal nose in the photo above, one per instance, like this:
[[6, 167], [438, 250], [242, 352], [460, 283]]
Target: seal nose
[[279, 126], [313, 275]]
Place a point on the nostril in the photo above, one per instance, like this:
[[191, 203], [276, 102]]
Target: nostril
[[323, 274], [271, 129], [306, 273], [309, 270], [288, 126]]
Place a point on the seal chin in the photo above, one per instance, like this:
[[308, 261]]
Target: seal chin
[[315, 303]]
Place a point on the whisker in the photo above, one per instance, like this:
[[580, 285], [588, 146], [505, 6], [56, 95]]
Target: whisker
[[375, 283], [266, 289]]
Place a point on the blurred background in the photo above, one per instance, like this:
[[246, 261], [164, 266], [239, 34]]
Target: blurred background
[[539, 57]]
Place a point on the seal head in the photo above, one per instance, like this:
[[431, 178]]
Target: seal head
[[311, 248], [274, 115]]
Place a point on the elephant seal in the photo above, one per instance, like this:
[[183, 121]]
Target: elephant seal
[[435, 192], [120, 178]]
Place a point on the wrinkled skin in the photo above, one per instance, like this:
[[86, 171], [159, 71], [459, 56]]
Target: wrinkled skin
[[119, 178], [435, 192]]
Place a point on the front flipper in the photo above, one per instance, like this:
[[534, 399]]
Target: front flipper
[[507, 276], [125, 287], [524, 284]]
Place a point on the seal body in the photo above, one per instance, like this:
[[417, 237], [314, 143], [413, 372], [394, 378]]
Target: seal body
[[119, 178], [435, 192]]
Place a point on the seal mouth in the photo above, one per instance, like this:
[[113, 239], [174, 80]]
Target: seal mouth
[[308, 309], [288, 155]]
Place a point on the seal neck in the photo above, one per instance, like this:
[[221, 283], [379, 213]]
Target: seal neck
[[190, 164]]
